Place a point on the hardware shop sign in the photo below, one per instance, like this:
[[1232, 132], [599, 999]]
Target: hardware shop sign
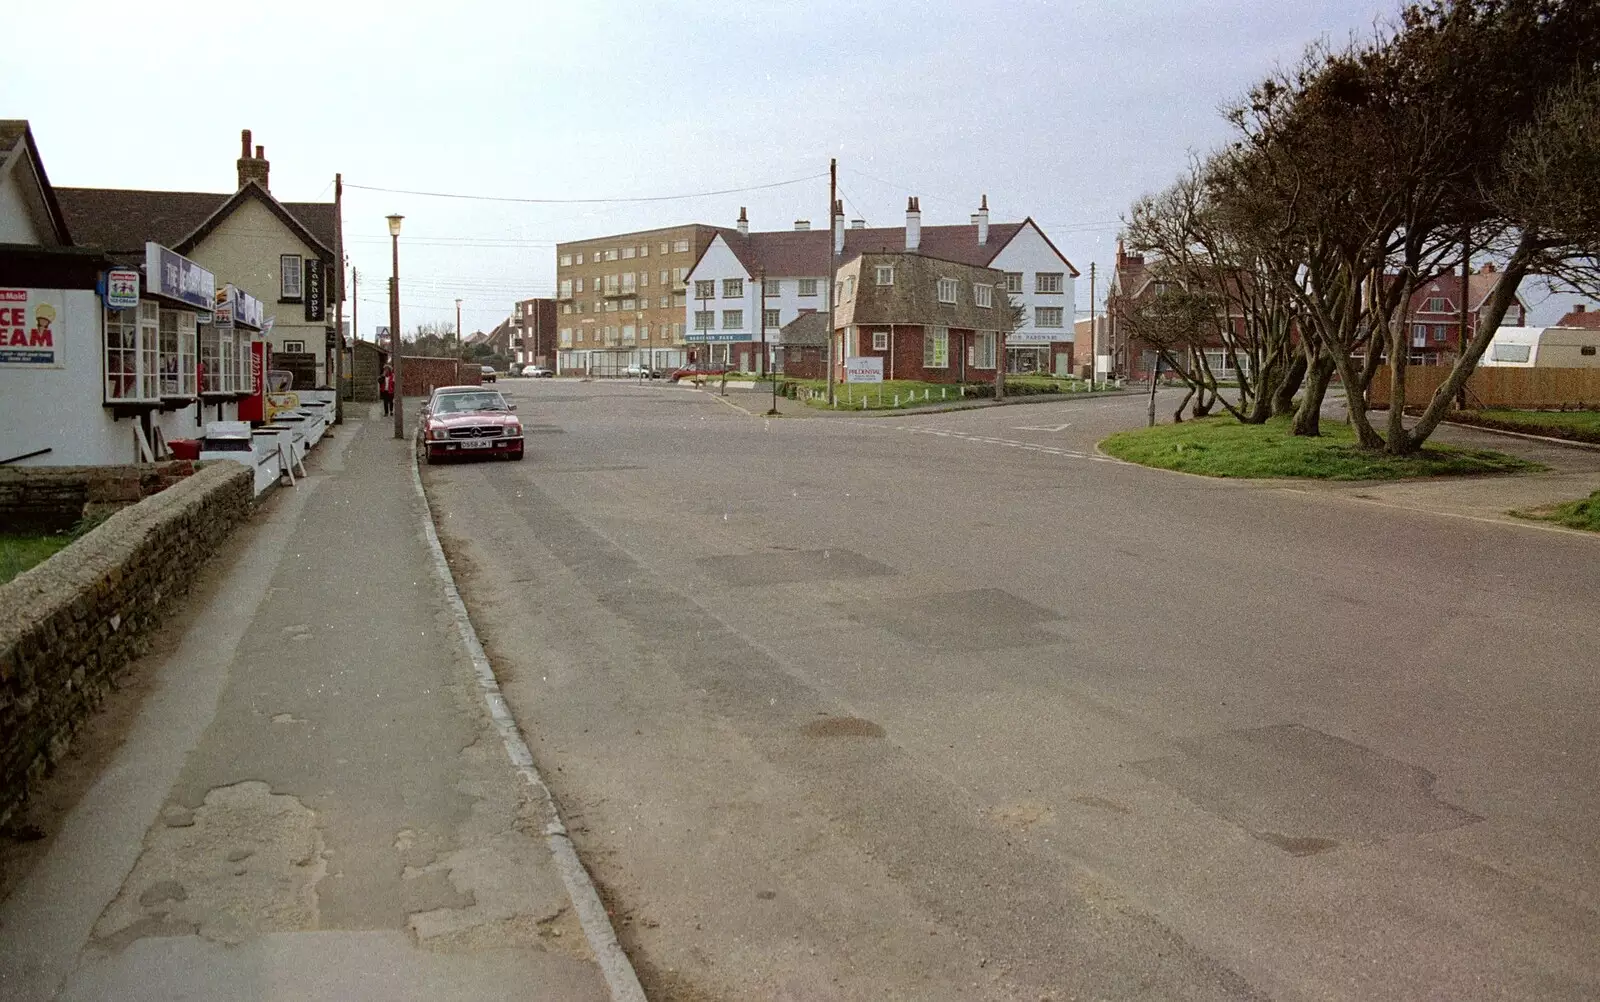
[[31, 327], [170, 274]]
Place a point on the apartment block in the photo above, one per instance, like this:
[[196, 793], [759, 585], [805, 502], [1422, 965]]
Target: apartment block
[[620, 299]]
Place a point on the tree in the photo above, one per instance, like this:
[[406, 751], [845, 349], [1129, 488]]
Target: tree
[[1011, 315]]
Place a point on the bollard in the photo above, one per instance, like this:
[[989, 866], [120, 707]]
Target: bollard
[[897, 400]]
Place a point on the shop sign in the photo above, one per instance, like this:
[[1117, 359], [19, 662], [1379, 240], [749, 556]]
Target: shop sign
[[122, 289], [236, 307], [709, 337], [266, 325], [222, 316], [31, 327], [174, 276], [1035, 337], [316, 304], [863, 369]]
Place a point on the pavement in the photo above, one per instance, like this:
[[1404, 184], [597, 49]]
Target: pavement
[[310, 800], [950, 707]]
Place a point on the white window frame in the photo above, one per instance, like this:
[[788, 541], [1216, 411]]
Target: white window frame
[[1043, 314], [210, 358], [733, 320], [627, 253], [936, 348], [808, 288], [566, 260], [680, 247], [772, 287], [733, 288], [611, 254], [176, 349], [982, 295], [1014, 281], [227, 344], [1049, 283], [287, 289], [704, 319], [566, 288], [849, 287], [880, 340], [579, 257], [883, 274], [949, 290], [644, 250], [294, 347], [126, 358], [566, 337], [771, 319], [983, 350], [705, 288]]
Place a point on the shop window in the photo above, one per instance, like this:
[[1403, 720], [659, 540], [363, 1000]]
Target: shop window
[[228, 373], [131, 339], [210, 359], [176, 350]]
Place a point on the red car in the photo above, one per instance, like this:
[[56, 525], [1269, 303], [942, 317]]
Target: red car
[[698, 372], [471, 422]]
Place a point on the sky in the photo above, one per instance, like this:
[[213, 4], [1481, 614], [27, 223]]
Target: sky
[[1065, 111]]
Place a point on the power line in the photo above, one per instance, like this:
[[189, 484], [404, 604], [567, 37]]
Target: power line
[[584, 201]]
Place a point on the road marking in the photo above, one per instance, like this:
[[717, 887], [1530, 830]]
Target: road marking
[[1011, 443], [614, 964], [1039, 427]]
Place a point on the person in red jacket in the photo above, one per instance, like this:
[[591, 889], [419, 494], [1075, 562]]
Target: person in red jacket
[[386, 389]]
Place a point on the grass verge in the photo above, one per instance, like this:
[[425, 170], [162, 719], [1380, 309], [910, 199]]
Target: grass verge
[[18, 553], [1581, 514], [1222, 447], [1579, 426]]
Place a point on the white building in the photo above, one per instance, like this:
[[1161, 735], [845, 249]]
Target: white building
[[727, 317]]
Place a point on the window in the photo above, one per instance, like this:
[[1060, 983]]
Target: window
[[210, 360], [611, 254], [947, 290], [733, 320], [177, 353], [850, 287], [664, 301], [679, 298], [627, 253], [566, 260], [566, 337], [566, 288], [663, 276], [706, 289], [1047, 316], [1440, 332], [681, 246], [769, 319], [580, 257], [599, 306], [644, 279], [644, 250], [579, 286], [566, 309], [242, 353], [936, 349], [880, 340], [680, 275], [289, 276], [703, 319], [983, 295], [838, 292], [1013, 281], [1047, 281], [732, 288], [611, 306], [228, 371], [628, 304], [629, 332], [983, 350], [772, 287], [884, 274], [131, 338], [808, 287], [1437, 304], [610, 284], [665, 247], [294, 347], [629, 282]]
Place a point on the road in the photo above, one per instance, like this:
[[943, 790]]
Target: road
[[947, 707]]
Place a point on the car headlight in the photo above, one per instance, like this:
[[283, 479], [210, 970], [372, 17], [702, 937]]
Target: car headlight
[[436, 432], [513, 427]]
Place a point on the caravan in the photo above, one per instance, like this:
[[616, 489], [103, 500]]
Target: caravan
[[1544, 348]]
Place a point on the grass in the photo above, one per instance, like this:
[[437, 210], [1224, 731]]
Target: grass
[[915, 393], [1581, 514], [1582, 426], [18, 553], [1222, 447]]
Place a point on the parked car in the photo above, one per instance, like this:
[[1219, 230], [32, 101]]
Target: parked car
[[442, 391], [489, 375], [536, 372], [641, 372], [699, 372], [476, 422]]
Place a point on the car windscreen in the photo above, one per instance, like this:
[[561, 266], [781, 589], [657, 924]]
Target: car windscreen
[[460, 403]]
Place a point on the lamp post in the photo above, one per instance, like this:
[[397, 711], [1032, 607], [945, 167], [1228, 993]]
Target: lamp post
[[394, 330], [458, 330]]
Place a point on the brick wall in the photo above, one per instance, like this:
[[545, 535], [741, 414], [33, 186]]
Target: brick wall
[[36, 499], [421, 375], [69, 625], [367, 367]]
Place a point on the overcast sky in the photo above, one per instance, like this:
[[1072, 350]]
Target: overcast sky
[[1066, 111]]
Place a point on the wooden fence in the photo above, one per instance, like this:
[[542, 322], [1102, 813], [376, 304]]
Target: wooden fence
[[1499, 386]]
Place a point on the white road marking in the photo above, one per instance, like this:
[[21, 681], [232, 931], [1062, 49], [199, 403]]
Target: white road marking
[[1048, 450], [1040, 427]]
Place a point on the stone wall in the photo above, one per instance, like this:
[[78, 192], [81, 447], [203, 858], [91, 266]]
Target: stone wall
[[69, 625], [41, 499]]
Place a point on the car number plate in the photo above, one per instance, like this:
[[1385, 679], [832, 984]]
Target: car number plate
[[475, 445]]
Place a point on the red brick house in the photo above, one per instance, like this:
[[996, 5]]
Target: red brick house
[[1433, 316], [1580, 317]]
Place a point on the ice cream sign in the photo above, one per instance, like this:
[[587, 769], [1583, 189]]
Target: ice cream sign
[[31, 327], [170, 274]]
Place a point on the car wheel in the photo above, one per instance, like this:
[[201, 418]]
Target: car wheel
[[516, 456]]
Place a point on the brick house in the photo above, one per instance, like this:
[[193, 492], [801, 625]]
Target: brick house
[[533, 335], [1433, 315], [1580, 317], [804, 343], [928, 318]]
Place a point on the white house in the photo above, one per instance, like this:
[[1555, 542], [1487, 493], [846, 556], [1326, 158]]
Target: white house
[[724, 299]]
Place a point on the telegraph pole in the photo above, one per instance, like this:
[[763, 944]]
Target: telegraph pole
[[1094, 335], [833, 264], [338, 292], [1466, 281]]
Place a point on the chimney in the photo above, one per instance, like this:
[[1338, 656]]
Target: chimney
[[251, 168], [1487, 269], [1579, 308], [744, 223], [913, 223], [982, 219], [802, 224], [858, 224], [838, 226]]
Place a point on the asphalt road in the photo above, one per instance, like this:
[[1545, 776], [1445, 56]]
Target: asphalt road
[[947, 707]]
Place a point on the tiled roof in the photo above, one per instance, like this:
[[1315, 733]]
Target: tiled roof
[[807, 329], [1587, 319], [804, 253], [122, 219]]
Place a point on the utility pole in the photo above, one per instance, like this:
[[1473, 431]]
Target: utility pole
[[338, 292], [355, 310], [1094, 335], [1466, 281], [833, 265], [458, 330], [394, 331]]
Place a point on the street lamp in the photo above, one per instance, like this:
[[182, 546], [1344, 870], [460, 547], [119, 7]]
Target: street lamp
[[394, 329], [458, 330]]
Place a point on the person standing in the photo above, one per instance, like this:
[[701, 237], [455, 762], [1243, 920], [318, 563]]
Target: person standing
[[386, 389]]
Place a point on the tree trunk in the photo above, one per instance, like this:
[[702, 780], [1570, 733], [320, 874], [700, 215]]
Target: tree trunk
[[1308, 418], [1399, 362], [1204, 402], [1356, 404], [1177, 415], [1293, 377]]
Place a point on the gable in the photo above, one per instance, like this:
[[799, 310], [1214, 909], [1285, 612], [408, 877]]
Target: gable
[[1029, 249], [246, 246], [718, 261], [29, 212]]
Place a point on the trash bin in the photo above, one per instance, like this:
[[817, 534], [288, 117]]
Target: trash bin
[[184, 448]]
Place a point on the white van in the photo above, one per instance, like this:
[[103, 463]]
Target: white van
[[1544, 348]]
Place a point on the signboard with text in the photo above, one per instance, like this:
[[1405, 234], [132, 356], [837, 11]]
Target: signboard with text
[[243, 309], [170, 274], [31, 322], [122, 289], [863, 369], [316, 302], [712, 337]]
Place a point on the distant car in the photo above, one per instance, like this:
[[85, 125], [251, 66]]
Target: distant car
[[698, 372], [489, 375], [641, 372], [536, 372], [466, 421]]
